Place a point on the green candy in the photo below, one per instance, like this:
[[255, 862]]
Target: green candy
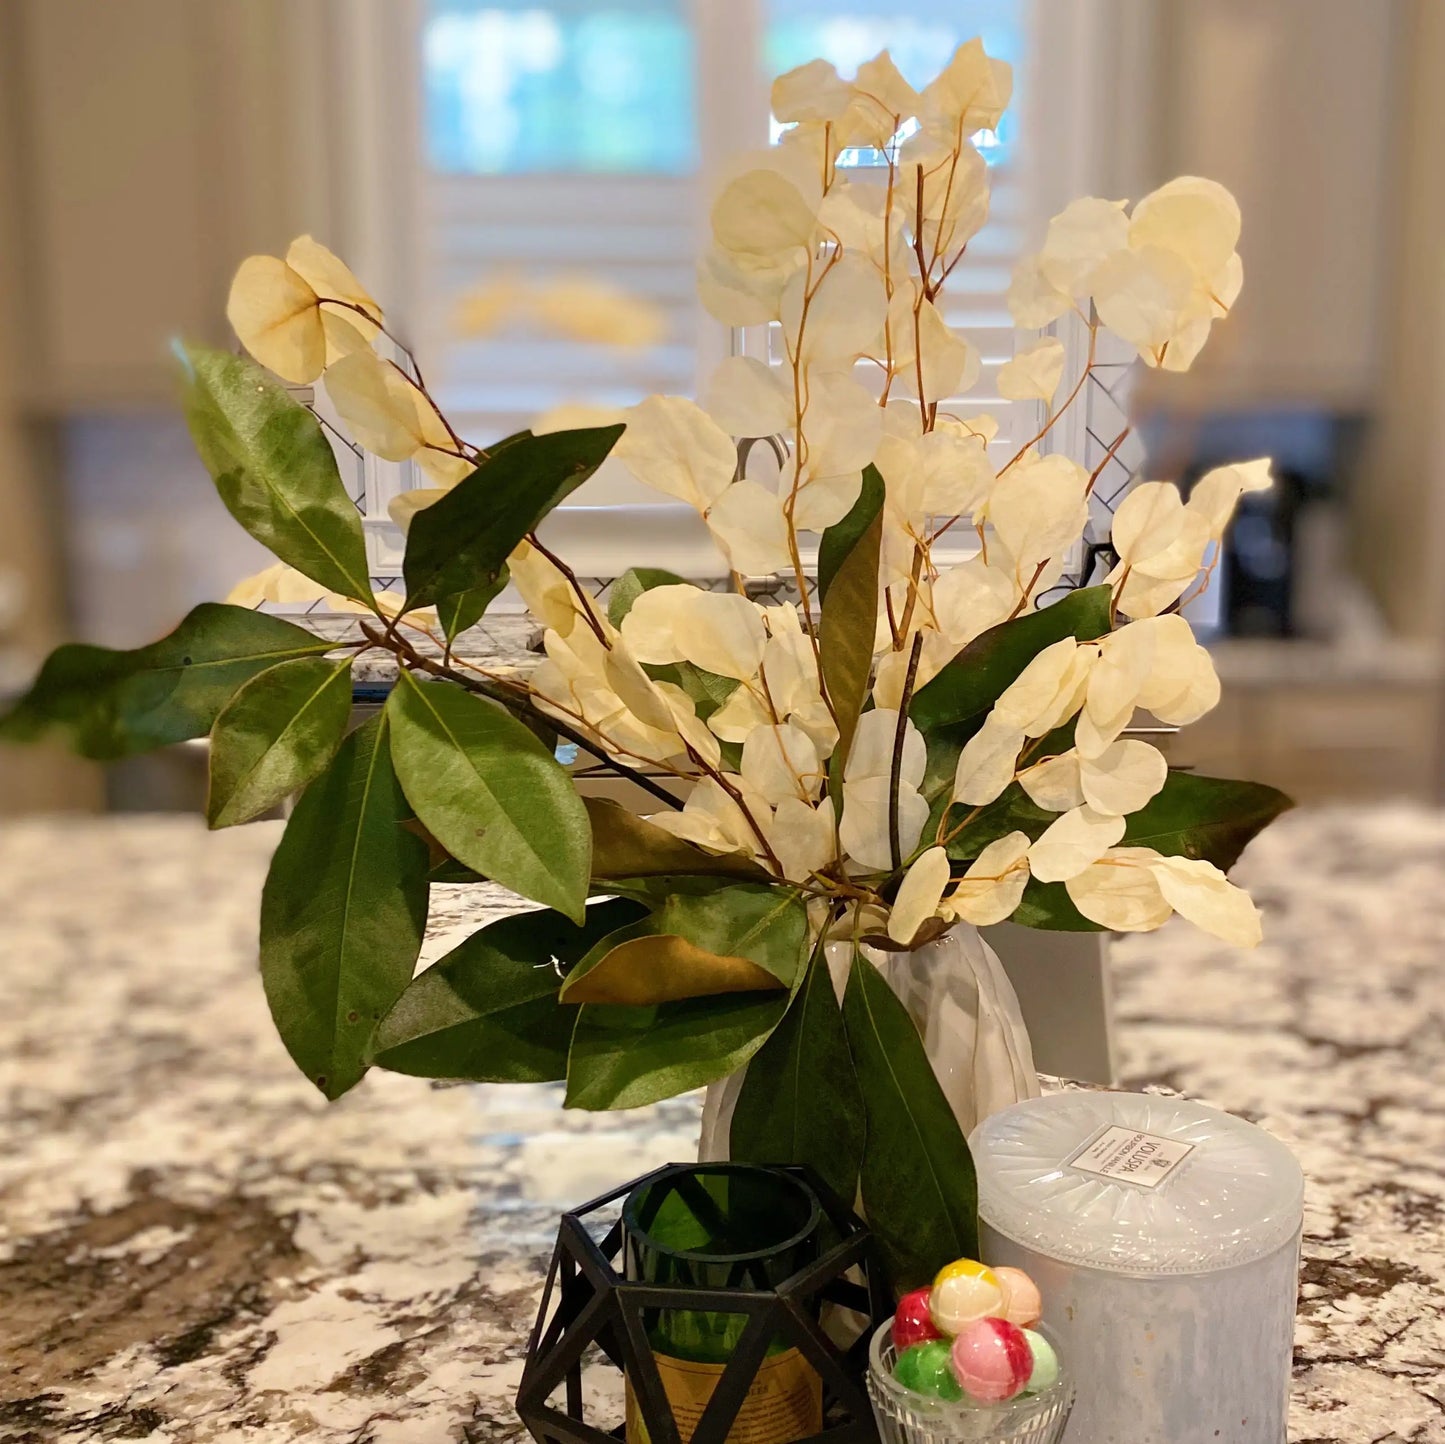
[[926, 1369], [1046, 1364]]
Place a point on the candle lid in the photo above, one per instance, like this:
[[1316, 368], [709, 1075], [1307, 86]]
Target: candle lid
[[1135, 1183]]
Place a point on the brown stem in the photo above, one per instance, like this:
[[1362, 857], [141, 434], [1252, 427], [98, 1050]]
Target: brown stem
[[516, 701], [941, 838], [918, 237], [1047, 426], [419, 382], [1068, 402], [1023, 601], [1108, 457], [577, 589], [912, 602], [900, 736], [721, 779]]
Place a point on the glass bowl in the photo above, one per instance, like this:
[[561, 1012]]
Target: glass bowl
[[908, 1418]]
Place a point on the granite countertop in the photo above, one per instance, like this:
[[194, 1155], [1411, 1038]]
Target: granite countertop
[[194, 1247]]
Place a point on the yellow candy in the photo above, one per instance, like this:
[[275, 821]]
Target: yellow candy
[[963, 1291]]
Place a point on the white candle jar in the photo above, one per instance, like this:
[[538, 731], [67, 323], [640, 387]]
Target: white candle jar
[[1164, 1237]]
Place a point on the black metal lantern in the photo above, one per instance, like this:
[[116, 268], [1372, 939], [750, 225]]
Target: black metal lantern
[[722, 1291]]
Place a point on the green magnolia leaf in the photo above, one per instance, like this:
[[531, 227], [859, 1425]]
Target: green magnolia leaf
[[850, 611], [1204, 817], [625, 1057], [839, 539], [462, 541], [735, 939], [918, 1183], [488, 1011], [461, 610], [1012, 811], [975, 679], [441, 865], [800, 1101], [275, 470], [655, 891], [106, 704], [343, 911], [627, 846], [1048, 906], [275, 735], [490, 793], [707, 690]]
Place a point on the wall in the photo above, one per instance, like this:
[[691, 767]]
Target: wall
[[145, 147], [1294, 105], [1400, 522]]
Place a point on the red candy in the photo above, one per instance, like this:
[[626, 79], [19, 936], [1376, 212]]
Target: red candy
[[992, 1360], [913, 1324]]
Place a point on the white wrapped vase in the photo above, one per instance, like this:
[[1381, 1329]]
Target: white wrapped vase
[[966, 1011]]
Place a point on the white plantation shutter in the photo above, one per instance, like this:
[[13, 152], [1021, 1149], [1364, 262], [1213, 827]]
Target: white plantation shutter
[[635, 231]]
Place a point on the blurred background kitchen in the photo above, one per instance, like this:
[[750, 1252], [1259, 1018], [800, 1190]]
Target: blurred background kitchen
[[440, 146]]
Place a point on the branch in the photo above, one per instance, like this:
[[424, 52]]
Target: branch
[[520, 704], [899, 737]]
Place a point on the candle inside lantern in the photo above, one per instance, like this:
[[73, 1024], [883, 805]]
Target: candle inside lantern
[[717, 1230]]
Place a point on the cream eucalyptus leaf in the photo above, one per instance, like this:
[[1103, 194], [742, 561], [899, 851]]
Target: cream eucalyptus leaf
[[969, 685], [625, 845]]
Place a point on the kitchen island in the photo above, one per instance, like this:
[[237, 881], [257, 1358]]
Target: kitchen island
[[195, 1247]]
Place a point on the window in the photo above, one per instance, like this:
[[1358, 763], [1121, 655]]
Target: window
[[558, 87]]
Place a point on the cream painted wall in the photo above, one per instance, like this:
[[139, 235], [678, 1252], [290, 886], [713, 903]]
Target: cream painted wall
[[1295, 106], [1400, 519], [145, 147]]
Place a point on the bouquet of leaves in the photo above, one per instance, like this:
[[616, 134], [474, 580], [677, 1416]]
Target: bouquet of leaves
[[901, 747]]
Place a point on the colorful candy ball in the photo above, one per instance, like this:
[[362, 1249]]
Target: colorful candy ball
[[963, 1291], [1046, 1363], [992, 1360], [1021, 1302], [912, 1323], [925, 1368]]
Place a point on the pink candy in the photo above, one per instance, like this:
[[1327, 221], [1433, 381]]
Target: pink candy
[[992, 1360]]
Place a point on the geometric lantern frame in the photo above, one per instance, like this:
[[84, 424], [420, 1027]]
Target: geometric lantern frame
[[596, 1304]]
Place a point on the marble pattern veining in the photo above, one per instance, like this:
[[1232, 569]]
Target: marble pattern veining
[[195, 1247]]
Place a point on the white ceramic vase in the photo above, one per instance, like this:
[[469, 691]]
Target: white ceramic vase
[[967, 1014]]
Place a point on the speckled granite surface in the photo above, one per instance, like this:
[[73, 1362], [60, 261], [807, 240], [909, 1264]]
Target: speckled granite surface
[[193, 1247]]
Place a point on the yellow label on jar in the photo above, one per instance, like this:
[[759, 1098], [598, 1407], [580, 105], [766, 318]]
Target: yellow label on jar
[[784, 1403]]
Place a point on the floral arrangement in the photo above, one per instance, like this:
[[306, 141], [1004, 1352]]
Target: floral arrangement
[[903, 748]]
